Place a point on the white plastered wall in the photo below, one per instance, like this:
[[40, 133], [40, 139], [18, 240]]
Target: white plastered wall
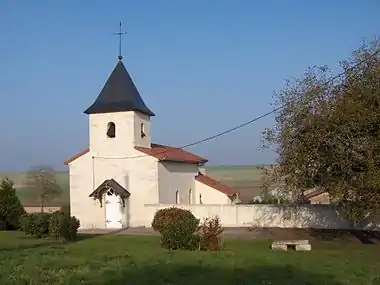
[[114, 158], [137, 175], [128, 133], [138, 119], [209, 195], [173, 177], [86, 209]]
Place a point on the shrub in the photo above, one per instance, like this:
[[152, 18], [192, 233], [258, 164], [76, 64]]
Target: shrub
[[160, 219], [3, 225], [63, 227], [10, 206], [26, 224], [178, 228], [35, 224], [209, 234]]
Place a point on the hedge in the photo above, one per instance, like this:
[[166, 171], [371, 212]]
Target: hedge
[[58, 225]]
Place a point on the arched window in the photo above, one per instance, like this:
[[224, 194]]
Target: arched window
[[142, 130], [177, 197], [190, 196], [111, 130]]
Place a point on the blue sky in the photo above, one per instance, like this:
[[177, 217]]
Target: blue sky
[[201, 66]]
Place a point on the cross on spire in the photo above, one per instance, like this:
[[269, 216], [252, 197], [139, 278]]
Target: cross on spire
[[120, 34]]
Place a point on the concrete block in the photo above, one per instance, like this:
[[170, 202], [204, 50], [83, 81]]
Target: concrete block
[[278, 246], [294, 242], [303, 247], [298, 245]]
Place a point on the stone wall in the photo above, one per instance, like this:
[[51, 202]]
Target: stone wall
[[308, 216], [37, 209]]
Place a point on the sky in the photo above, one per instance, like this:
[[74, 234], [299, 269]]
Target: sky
[[201, 66]]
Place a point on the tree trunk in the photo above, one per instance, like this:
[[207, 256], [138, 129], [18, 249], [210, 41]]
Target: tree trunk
[[42, 205]]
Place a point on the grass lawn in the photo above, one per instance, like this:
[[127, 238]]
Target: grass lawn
[[140, 260]]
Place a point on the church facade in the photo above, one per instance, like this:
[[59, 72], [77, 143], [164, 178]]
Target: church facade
[[121, 171]]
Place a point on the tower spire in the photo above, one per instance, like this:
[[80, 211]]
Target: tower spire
[[120, 34]]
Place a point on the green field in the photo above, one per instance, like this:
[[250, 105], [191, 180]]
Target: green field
[[247, 179], [117, 259], [22, 190], [237, 176]]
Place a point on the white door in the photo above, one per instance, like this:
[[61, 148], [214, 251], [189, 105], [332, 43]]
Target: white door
[[114, 217]]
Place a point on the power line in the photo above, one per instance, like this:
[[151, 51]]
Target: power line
[[254, 119]]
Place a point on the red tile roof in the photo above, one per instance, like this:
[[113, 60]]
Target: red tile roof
[[169, 153], [79, 154], [161, 152], [314, 193], [216, 184]]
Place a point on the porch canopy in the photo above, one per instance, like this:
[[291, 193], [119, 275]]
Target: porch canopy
[[110, 187]]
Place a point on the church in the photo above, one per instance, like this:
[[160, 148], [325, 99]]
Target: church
[[121, 170]]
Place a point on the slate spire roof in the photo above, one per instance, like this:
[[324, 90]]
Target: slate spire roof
[[119, 94]]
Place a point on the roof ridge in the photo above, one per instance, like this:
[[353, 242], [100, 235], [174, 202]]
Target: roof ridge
[[161, 152]]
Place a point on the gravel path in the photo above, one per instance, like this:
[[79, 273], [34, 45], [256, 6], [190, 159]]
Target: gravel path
[[142, 231]]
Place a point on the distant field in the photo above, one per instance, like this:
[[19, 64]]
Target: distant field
[[22, 190], [19, 178], [239, 177]]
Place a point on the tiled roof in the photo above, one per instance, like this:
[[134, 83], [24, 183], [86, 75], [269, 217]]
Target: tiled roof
[[314, 193], [79, 154], [106, 185], [169, 153], [119, 94], [216, 184], [161, 152]]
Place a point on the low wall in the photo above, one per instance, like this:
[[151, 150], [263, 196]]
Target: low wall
[[37, 209], [308, 216]]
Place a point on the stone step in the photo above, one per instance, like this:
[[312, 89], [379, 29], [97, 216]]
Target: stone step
[[292, 242], [303, 247], [298, 245]]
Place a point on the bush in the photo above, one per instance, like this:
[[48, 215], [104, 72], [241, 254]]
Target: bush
[[35, 224], [26, 224], [178, 228], [209, 234], [11, 209], [57, 225], [161, 218], [63, 227], [3, 225]]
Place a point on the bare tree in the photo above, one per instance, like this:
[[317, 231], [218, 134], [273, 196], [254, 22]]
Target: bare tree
[[273, 185], [43, 185]]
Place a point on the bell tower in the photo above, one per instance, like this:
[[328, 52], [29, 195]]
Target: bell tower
[[119, 120]]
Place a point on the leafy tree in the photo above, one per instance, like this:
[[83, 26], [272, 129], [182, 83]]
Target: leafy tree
[[327, 136], [11, 209], [43, 185]]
